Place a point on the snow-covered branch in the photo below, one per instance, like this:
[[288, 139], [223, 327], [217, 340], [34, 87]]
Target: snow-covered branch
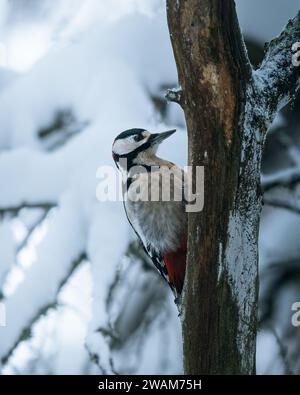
[[15, 209], [7, 252], [175, 95], [286, 178], [31, 229], [57, 259], [45, 162], [278, 78]]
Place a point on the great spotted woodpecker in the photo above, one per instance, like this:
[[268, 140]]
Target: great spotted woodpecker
[[154, 206]]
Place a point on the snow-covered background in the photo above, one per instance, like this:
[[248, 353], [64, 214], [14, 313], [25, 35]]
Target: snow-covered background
[[80, 296]]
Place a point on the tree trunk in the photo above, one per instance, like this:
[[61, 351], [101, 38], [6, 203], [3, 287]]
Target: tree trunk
[[227, 114]]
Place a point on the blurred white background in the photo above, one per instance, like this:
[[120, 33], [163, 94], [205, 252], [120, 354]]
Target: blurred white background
[[80, 296]]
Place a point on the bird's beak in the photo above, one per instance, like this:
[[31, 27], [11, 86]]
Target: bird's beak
[[157, 138]]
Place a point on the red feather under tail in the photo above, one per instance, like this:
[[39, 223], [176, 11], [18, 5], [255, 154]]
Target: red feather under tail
[[175, 262]]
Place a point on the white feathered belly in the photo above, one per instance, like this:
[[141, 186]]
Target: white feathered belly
[[160, 224]]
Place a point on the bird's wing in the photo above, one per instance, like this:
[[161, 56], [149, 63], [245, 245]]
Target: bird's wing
[[171, 266], [155, 257]]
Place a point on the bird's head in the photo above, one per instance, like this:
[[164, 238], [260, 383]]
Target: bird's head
[[137, 146]]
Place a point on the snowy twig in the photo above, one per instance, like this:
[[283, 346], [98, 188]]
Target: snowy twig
[[26, 331], [283, 179], [291, 147], [32, 229], [16, 209], [283, 351], [278, 77], [280, 203], [24, 242], [286, 178], [95, 359], [140, 299]]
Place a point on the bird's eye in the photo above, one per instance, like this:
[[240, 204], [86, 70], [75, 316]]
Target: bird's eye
[[138, 137]]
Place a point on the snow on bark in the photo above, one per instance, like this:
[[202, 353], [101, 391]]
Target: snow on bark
[[239, 265]]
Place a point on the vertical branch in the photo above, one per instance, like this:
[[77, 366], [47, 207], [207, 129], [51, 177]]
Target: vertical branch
[[220, 299]]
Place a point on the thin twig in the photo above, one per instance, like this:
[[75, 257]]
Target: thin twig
[[15, 209], [31, 229], [278, 78], [283, 352], [285, 178]]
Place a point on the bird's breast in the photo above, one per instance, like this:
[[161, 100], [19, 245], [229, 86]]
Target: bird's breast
[[158, 217]]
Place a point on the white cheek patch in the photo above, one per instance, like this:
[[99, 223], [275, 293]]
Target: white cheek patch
[[124, 146]]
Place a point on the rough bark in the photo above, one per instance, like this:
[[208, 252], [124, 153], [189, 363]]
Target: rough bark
[[227, 110]]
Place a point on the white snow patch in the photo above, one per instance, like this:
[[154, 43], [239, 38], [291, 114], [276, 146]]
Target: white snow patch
[[239, 263], [7, 250]]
